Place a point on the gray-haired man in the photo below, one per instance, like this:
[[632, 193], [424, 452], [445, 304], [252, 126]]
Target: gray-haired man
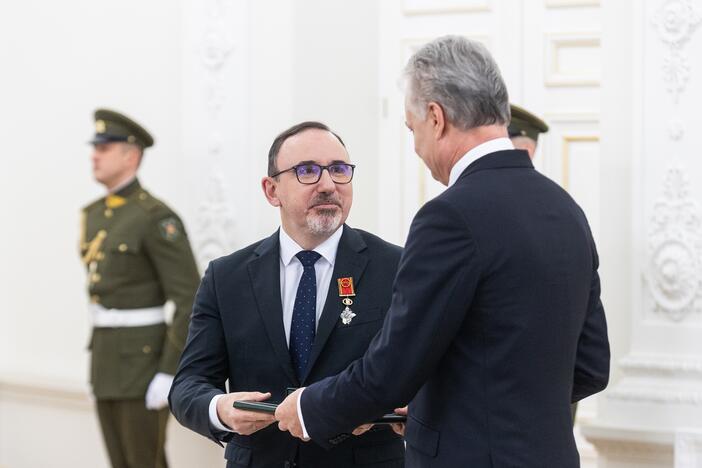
[[496, 323]]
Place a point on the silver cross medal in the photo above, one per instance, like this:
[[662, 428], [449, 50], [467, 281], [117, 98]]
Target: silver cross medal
[[347, 315]]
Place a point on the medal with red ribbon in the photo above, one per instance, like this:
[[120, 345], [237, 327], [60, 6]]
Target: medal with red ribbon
[[346, 291]]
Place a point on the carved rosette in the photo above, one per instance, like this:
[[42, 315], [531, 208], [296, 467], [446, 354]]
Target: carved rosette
[[676, 20], [674, 273]]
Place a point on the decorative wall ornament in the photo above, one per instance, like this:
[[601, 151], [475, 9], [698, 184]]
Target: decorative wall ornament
[[674, 273], [676, 20], [676, 73], [676, 129], [215, 221]]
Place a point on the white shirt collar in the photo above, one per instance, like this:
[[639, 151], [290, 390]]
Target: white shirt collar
[[327, 249], [490, 146]]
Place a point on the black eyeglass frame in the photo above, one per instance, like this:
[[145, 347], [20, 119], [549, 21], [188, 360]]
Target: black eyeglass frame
[[321, 170]]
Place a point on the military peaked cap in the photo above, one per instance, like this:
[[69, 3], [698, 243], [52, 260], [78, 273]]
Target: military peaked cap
[[112, 126], [524, 123]]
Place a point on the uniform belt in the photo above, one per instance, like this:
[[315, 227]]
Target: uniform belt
[[114, 318]]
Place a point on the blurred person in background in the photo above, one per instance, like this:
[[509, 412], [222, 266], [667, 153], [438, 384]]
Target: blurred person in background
[[137, 256]]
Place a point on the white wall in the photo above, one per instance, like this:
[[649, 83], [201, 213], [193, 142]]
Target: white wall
[[59, 61], [214, 81], [335, 72]]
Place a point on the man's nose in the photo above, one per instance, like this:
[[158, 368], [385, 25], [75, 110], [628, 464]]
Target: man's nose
[[326, 184]]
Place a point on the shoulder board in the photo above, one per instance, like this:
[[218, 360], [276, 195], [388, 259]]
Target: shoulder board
[[147, 201], [152, 205]]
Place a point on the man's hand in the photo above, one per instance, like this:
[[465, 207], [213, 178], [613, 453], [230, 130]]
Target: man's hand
[[157, 394], [287, 417], [399, 428], [362, 429], [240, 421]]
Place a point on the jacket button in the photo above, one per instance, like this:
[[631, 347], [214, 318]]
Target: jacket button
[[122, 247], [146, 349]]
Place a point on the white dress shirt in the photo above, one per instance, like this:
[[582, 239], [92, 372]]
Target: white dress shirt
[[490, 146], [290, 274]]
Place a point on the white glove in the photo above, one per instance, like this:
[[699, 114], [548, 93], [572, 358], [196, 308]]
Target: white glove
[[157, 393]]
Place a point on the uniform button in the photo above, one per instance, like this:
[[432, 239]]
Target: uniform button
[[108, 213], [146, 349], [142, 196], [100, 256], [122, 247], [102, 232], [96, 277]]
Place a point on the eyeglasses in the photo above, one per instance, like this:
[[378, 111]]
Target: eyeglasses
[[308, 174]]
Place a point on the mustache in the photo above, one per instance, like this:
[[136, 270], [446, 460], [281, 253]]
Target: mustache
[[325, 200]]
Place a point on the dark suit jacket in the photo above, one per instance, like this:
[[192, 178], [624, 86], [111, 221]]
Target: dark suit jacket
[[236, 333], [495, 327]]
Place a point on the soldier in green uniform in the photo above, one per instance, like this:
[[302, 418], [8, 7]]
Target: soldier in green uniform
[[137, 256], [524, 129]]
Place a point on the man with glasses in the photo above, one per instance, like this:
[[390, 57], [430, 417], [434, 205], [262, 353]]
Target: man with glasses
[[287, 311]]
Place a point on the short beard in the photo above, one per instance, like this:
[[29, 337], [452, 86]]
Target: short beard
[[325, 222]]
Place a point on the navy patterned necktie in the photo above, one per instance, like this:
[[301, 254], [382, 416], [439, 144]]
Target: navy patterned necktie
[[304, 317]]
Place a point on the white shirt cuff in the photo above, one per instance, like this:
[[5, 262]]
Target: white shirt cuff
[[214, 419], [299, 416]]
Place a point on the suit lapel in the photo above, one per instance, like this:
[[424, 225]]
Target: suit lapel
[[265, 281], [351, 261]]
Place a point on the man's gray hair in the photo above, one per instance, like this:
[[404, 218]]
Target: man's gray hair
[[462, 77]]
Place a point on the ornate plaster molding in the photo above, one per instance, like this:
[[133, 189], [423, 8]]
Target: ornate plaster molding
[[664, 396], [661, 366], [215, 223], [674, 270], [215, 220], [676, 21]]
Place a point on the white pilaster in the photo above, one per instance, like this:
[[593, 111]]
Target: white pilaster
[[652, 414]]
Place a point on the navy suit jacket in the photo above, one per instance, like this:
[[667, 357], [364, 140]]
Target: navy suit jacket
[[237, 334], [495, 327]]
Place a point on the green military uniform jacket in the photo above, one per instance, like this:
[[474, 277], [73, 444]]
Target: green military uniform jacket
[[137, 254]]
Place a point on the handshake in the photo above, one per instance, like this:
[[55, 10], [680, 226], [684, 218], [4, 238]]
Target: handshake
[[248, 412]]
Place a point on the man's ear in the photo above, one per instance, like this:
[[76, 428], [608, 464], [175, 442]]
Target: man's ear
[[134, 153], [270, 187], [435, 114]]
